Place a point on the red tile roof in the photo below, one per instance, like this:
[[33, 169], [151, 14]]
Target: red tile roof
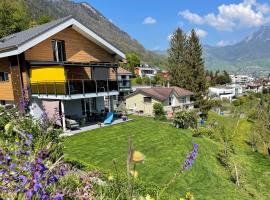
[[162, 93], [121, 70]]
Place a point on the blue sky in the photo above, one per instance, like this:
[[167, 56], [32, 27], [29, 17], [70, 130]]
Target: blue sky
[[218, 22]]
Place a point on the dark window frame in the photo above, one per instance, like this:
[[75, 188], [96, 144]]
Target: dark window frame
[[59, 50], [4, 77], [147, 99]]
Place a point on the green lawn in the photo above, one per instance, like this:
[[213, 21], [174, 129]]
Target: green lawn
[[165, 148]]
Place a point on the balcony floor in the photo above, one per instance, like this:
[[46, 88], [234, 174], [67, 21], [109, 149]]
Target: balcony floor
[[74, 96]]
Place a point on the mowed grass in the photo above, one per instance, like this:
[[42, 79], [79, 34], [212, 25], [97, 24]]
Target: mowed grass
[[165, 148]]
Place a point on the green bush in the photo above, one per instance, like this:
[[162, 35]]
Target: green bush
[[185, 119], [236, 102], [159, 112], [204, 132]]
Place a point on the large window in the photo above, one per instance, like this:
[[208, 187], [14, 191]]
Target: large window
[[170, 101], [3, 76], [59, 53], [147, 99], [183, 100]]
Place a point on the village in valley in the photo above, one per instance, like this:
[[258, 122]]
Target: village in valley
[[88, 113]]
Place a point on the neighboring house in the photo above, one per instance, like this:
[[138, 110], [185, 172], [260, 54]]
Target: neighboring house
[[222, 92], [172, 99], [60, 67], [124, 83], [254, 87], [241, 79], [226, 91], [145, 72]]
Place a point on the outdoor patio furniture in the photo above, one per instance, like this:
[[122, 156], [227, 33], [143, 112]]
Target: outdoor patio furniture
[[72, 124]]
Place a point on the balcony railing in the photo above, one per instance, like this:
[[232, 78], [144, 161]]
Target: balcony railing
[[72, 87], [124, 84]]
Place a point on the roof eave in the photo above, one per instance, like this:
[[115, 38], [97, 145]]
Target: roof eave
[[65, 24]]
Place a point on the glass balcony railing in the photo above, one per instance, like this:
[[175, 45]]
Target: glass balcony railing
[[72, 87]]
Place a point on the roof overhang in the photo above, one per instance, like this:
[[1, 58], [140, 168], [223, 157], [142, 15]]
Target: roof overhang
[[80, 28]]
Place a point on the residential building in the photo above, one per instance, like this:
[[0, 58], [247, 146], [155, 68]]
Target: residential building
[[124, 82], [61, 67], [241, 79], [172, 99], [225, 91], [254, 87], [145, 71]]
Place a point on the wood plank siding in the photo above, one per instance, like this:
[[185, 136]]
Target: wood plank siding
[[78, 49], [6, 90]]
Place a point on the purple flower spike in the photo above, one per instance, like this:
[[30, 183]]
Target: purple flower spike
[[29, 194], [58, 197], [191, 157], [23, 179]]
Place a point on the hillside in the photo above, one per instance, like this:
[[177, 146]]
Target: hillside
[[252, 51], [92, 18]]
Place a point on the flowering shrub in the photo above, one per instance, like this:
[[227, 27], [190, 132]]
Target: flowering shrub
[[23, 174], [185, 119]]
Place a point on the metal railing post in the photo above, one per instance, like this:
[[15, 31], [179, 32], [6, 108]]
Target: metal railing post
[[55, 90], [83, 87], [46, 89], [108, 90], [96, 87], [38, 88], [68, 88]]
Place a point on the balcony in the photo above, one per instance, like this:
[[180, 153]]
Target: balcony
[[124, 85], [73, 87]]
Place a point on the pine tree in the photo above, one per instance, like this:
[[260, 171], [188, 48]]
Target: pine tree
[[195, 64], [177, 59]]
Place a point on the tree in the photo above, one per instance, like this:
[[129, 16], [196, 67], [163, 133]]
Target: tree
[[195, 64], [13, 17], [44, 19], [179, 73], [159, 112], [186, 65], [133, 61]]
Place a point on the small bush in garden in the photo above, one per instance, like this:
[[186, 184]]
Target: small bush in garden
[[185, 119], [236, 102], [159, 112], [204, 132]]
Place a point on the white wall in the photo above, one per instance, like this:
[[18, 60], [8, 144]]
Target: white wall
[[36, 108]]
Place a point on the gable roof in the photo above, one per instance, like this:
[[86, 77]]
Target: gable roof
[[19, 42], [123, 71], [162, 93]]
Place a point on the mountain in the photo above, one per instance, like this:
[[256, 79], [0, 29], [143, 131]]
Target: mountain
[[254, 50], [92, 18]]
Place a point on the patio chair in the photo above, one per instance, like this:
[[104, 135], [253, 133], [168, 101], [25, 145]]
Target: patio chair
[[72, 124]]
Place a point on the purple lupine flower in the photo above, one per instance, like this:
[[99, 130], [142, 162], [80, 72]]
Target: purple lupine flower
[[52, 179], [58, 197], [23, 179], [37, 187], [12, 166], [191, 157], [29, 194]]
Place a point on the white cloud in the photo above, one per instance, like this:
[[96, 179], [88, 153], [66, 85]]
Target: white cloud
[[201, 33], [149, 20], [223, 43], [193, 17], [247, 14]]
